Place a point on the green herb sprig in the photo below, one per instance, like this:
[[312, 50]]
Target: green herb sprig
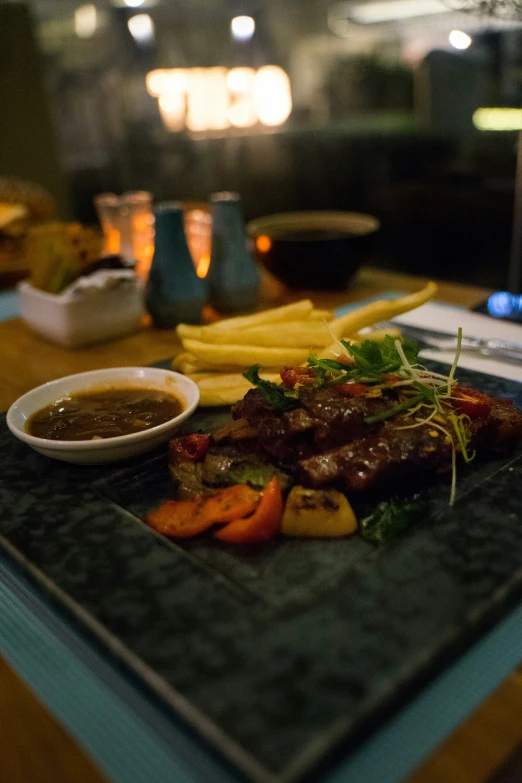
[[279, 398]]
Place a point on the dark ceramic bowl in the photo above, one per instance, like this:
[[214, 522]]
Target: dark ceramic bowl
[[313, 249]]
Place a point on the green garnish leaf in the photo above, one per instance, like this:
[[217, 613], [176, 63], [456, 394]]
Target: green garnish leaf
[[375, 359], [329, 365], [277, 396], [390, 518]]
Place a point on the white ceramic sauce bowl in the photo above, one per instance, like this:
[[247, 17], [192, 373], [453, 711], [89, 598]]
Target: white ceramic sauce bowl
[[107, 449]]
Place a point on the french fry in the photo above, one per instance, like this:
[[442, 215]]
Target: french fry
[[180, 359], [291, 312], [215, 355], [190, 365], [206, 380], [369, 314], [382, 310], [321, 315], [242, 356], [295, 334], [192, 332], [228, 395], [225, 388]]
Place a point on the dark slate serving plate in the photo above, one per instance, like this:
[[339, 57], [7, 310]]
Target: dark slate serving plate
[[282, 654]]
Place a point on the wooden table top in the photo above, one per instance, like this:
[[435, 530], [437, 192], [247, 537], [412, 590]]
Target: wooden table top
[[34, 746]]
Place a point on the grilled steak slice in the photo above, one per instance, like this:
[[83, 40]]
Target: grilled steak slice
[[329, 419], [253, 407], [329, 439], [340, 419], [386, 455], [393, 453]]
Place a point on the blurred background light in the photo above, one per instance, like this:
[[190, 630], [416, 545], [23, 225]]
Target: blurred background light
[[272, 95], [155, 81], [175, 80], [172, 108], [242, 28], [240, 79], [203, 99], [85, 21], [498, 119], [392, 10], [503, 304], [141, 27], [133, 3], [459, 40]]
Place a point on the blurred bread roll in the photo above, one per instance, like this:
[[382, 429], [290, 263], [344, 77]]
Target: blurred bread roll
[[38, 201]]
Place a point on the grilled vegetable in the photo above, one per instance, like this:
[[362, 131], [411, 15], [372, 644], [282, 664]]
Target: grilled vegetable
[[221, 468], [321, 513], [187, 476], [193, 446], [263, 524], [186, 518]]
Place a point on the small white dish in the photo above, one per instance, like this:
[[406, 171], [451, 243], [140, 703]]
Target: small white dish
[[103, 306], [109, 449]]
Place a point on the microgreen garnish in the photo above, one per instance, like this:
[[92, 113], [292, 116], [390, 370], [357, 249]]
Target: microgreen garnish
[[389, 413], [374, 359]]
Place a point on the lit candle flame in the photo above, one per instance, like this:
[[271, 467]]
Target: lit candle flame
[[203, 265]]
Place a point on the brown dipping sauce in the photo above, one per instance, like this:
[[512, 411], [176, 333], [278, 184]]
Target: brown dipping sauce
[[104, 413]]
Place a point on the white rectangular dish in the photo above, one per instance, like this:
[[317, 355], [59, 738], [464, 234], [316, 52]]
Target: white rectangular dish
[[101, 307]]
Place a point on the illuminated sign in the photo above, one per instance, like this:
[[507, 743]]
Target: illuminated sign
[[204, 99]]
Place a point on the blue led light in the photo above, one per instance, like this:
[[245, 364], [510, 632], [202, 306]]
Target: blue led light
[[502, 304]]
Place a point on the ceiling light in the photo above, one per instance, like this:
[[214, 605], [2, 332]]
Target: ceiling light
[[141, 27], [392, 10], [85, 21], [459, 40], [498, 119], [242, 28], [133, 3]]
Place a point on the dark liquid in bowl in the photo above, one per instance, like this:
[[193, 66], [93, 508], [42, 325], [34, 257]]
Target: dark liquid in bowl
[[104, 413], [313, 235]]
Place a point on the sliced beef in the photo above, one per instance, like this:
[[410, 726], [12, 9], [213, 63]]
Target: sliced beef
[[327, 439], [340, 419], [507, 421], [384, 456], [253, 407], [393, 453]]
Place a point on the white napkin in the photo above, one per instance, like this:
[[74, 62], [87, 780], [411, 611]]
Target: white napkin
[[447, 318]]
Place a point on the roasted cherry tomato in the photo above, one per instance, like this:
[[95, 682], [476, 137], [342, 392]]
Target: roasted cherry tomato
[[393, 378], [473, 403], [351, 389], [292, 375], [191, 447]]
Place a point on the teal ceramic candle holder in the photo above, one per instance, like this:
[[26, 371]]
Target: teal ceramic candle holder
[[174, 293], [233, 278]]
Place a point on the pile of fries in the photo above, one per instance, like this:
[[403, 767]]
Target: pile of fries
[[215, 356]]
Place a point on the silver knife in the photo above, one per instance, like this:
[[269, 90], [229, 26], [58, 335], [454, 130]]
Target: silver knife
[[441, 341]]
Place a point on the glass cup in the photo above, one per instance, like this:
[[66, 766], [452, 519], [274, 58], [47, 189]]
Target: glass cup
[[127, 222]]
